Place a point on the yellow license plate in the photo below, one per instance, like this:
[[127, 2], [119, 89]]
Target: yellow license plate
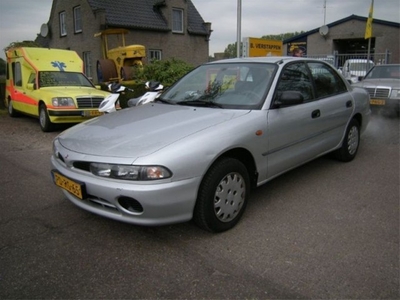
[[75, 188], [92, 113], [377, 102]]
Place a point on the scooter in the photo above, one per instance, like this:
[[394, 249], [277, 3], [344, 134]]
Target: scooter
[[155, 89], [111, 103]]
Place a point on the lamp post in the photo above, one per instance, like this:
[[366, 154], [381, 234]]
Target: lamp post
[[239, 27]]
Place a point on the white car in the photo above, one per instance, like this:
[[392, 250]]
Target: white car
[[199, 149], [354, 69]]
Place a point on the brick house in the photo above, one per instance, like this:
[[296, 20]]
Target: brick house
[[167, 28]]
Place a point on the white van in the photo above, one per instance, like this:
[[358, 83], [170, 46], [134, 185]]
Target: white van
[[353, 69]]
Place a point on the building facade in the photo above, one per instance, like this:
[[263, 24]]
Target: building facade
[[345, 37], [167, 29]]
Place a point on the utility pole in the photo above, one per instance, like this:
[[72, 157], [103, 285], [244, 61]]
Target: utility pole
[[239, 27]]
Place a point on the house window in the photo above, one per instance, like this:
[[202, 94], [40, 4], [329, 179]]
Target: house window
[[87, 64], [63, 25], [177, 20], [77, 19], [154, 55]]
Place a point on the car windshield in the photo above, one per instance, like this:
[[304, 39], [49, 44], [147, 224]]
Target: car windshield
[[50, 79], [384, 72], [224, 85]]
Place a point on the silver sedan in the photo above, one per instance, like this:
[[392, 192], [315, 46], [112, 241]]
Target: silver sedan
[[205, 143], [382, 83]]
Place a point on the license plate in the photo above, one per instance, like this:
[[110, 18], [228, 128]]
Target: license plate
[[377, 102], [75, 188], [92, 113]]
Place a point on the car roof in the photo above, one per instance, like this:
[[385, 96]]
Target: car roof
[[263, 59]]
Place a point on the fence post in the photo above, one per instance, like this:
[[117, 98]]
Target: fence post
[[336, 60], [387, 56]]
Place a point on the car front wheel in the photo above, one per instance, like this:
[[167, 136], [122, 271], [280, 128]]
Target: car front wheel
[[11, 110], [44, 120], [222, 196], [350, 144]]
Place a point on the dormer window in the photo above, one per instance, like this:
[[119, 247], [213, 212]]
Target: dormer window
[[177, 20]]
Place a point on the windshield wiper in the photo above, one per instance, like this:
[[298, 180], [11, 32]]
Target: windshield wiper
[[163, 101], [203, 103]]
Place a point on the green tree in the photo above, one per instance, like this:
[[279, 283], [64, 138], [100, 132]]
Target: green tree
[[2, 67], [282, 36], [164, 71], [231, 50]]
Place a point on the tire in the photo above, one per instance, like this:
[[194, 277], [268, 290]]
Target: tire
[[222, 196], [11, 110], [44, 120], [126, 73], [351, 142], [106, 70]]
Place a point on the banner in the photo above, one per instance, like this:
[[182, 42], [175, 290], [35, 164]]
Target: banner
[[255, 47], [368, 29]]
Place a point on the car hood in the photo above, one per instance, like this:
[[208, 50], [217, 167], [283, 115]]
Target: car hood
[[142, 130], [379, 82], [72, 91]]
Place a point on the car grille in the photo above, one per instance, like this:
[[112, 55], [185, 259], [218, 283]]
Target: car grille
[[378, 92], [89, 102]]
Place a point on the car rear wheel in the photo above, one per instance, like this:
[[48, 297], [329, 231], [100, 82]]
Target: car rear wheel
[[44, 120], [223, 195], [350, 144]]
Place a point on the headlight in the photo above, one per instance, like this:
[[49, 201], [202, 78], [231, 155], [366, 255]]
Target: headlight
[[62, 101], [128, 172], [395, 94]]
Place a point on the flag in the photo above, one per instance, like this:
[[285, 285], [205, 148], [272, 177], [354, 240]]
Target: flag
[[368, 29]]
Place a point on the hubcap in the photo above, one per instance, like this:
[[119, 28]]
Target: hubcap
[[352, 141], [229, 197]]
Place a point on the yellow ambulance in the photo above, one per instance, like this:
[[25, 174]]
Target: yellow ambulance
[[49, 84]]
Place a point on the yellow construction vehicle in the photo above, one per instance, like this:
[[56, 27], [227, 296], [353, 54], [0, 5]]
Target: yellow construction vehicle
[[118, 64]]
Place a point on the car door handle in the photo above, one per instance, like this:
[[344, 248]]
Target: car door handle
[[349, 103], [316, 114]]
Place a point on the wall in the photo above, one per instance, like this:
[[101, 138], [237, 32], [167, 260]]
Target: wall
[[386, 38], [192, 49]]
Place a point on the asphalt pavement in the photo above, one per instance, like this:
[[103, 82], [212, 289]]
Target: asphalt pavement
[[327, 230]]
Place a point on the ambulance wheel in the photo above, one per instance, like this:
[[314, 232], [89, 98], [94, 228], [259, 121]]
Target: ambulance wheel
[[44, 120], [11, 110], [106, 70]]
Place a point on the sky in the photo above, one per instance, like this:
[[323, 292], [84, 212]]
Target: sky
[[21, 20]]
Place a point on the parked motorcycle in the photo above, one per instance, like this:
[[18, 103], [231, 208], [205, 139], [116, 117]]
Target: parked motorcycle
[[155, 89], [111, 103]]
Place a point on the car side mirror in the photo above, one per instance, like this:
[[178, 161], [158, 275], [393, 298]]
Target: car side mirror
[[288, 98], [30, 86]]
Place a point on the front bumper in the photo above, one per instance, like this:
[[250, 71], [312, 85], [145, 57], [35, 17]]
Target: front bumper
[[72, 116], [161, 202], [385, 103]]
